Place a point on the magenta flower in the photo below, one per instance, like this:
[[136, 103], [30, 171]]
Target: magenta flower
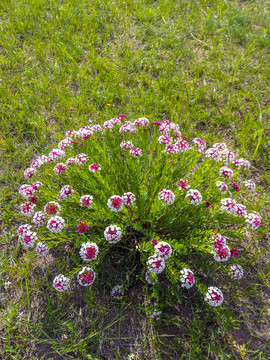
[[82, 227]]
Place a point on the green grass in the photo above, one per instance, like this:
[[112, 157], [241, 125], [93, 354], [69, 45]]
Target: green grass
[[203, 64]]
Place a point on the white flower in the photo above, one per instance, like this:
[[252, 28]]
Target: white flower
[[237, 271], [128, 198], [61, 283], [156, 264], [42, 249], [117, 292], [187, 279]]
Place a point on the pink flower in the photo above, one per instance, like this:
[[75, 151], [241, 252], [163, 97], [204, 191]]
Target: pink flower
[[115, 203], [165, 139], [237, 163], [52, 208], [228, 205], [227, 172], [39, 218], [96, 128], [113, 234], [218, 241], [135, 152], [94, 167], [236, 187], [70, 161], [213, 153], [59, 169], [28, 209], [65, 192], [245, 163], [82, 227], [220, 146], [126, 145], [156, 264], [86, 201], [234, 252], [187, 279], [227, 155], [28, 173], [182, 184], [158, 123], [163, 249], [181, 145], [80, 159], [63, 144], [222, 254], [36, 185], [56, 155], [241, 210], [143, 122], [86, 276], [89, 251], [29, 238], [222, 186], [26, 191], [199, 144], [128, 127], [250, 184], [154, 241], [23, 229], [56, 224], [253, 220]]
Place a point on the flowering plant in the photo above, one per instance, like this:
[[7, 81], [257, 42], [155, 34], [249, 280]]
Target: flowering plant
[[146, 189]]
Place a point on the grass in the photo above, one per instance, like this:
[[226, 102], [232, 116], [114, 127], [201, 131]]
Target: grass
[[203, 64]]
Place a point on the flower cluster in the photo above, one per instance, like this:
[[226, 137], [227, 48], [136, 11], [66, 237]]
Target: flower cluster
[[117, 292], [52, 208], [167, 196], [89, 251], [143, 122], [126, 145], [82, 227], [187, 279], [222, 186], [128, 198], [56, 155], [61, 283], [113, 234], [80, 159], [65, 192], [194, 196], [29, 238], [94, 167], [250, 184], [200, 145], [225, 171], [39, 218], [182, 184], [115, 203], [237, 271], [28, 173], [59, 169], [42, 249], [214, 296], [56, 224], [135, 152], [128, 127], [220, 249], [163, 249], [28, 209], [86, 201], [253, 220], [86, 276]]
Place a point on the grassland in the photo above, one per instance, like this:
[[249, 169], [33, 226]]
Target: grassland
[[203, 64]]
